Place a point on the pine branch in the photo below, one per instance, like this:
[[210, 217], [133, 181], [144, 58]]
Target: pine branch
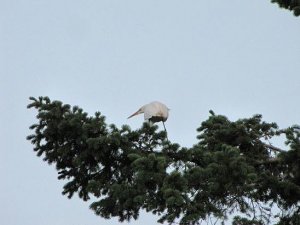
[[132, 170], [271, 147]]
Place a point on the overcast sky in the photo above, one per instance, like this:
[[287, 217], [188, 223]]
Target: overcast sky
[[237, 59]]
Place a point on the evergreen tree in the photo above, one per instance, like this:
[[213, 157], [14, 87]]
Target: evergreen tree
[[292, 5], [232, 169]]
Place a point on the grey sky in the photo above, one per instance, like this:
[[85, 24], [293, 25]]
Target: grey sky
[[112, 56]]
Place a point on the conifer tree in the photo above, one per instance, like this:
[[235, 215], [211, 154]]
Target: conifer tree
[[231, 169], [292, 5]]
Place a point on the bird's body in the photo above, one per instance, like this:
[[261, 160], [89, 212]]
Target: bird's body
[[153, 112]]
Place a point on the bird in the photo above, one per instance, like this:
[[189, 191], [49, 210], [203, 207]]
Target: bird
[[154, 112]]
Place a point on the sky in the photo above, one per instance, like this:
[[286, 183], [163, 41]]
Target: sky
[[238, 59]]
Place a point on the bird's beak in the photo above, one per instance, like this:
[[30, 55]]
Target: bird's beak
[[134, 114]]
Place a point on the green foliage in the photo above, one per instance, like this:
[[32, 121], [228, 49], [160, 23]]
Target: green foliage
[[231, 168], [244, 221], [293, 219], [292, 5]]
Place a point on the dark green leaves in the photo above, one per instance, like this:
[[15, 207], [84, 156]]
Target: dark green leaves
[[293, 5], [231, 169]]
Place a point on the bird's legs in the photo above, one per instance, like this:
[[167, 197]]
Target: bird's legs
[[165, 130]]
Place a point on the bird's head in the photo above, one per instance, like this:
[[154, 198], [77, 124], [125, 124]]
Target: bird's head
[[141, 110]]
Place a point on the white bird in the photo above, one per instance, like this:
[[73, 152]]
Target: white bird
[[153, 112]]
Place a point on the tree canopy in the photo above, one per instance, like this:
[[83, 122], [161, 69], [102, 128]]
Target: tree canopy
[[231, 169], [292, 5]]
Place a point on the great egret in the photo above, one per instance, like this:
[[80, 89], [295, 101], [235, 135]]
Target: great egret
[[154, 112]]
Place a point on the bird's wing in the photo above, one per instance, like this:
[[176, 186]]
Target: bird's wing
[[155, 111], [149, 111], [147, 115]]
